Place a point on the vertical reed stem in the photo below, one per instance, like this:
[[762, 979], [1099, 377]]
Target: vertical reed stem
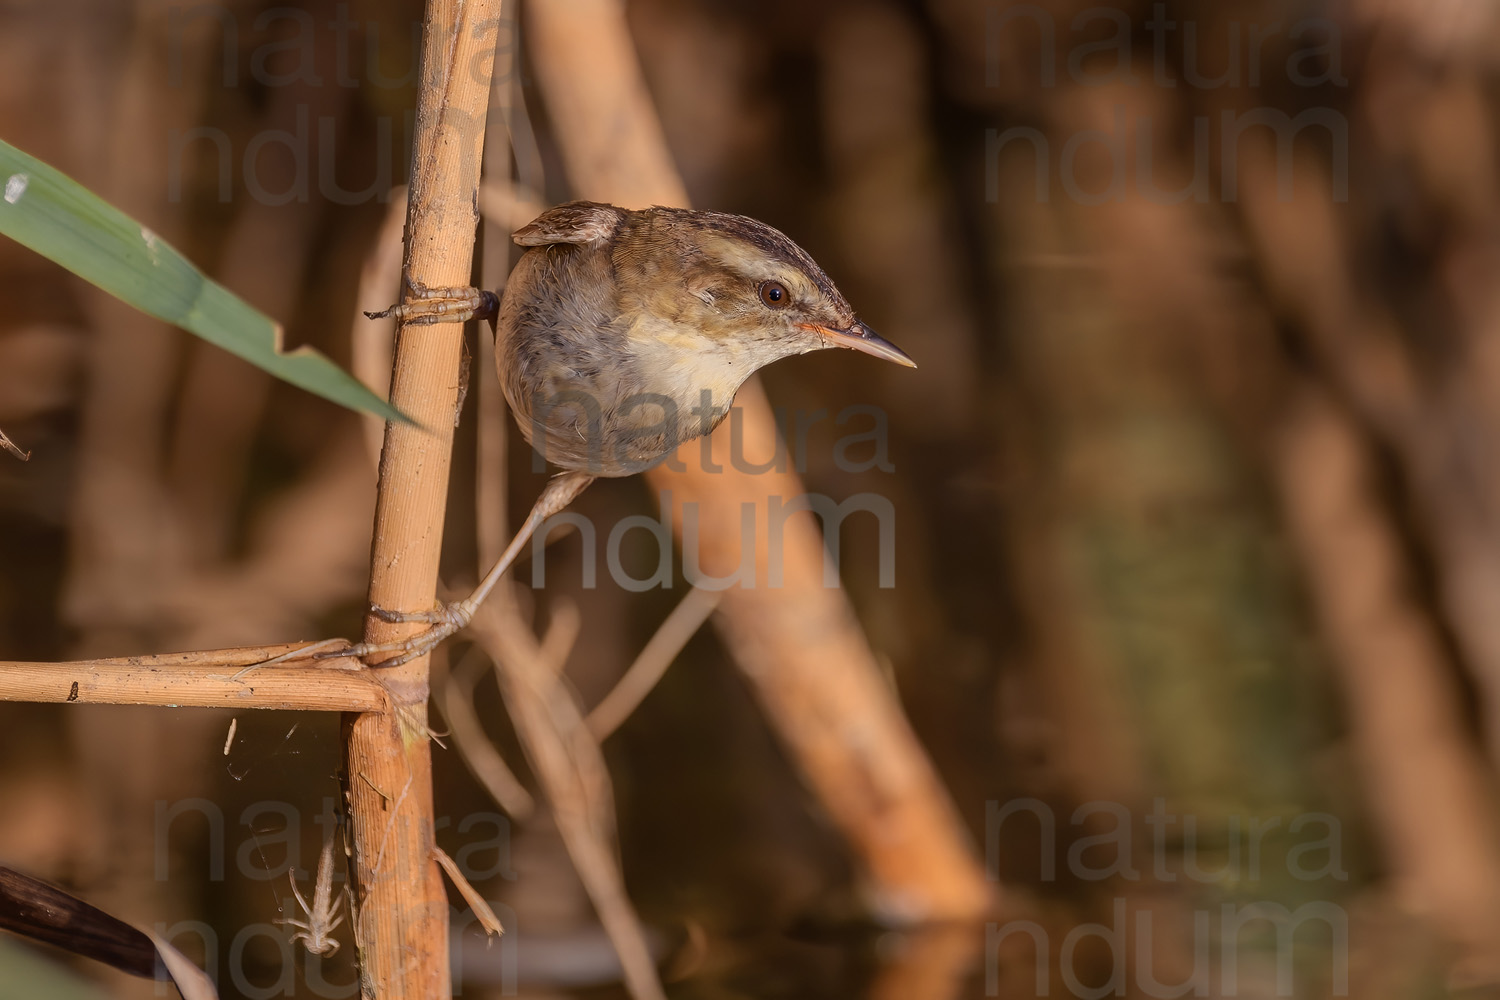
[[402, 924]]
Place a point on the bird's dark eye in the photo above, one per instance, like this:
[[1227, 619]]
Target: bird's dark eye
[[774, 294]]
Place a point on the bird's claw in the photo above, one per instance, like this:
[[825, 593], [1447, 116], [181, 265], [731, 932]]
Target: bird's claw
[[406, 650], [446, 304], [445, 621], [439, 615]]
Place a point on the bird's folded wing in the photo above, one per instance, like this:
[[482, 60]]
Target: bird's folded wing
[[574, 222]]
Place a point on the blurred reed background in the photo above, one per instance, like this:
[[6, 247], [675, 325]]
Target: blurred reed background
[[1197, 547]]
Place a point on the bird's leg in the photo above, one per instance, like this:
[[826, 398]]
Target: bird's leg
[[450, 618], [447, 304]]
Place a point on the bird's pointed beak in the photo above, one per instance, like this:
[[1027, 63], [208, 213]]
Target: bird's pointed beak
[[860, 337]]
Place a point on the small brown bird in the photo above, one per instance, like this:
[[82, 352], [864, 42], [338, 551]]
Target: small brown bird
[[622, 334]]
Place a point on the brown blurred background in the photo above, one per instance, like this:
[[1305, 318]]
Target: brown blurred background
[[1197, 548]]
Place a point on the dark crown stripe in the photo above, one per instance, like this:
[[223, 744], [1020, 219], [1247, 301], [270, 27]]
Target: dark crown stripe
[[772, 242]]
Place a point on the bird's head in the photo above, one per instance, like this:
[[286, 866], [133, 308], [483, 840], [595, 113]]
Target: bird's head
[[738, 286]]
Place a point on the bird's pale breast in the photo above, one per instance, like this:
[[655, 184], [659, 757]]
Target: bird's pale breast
[[594, 390]]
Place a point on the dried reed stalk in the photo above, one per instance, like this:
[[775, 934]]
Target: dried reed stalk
[[479, 753], [567, 761], [1439, 438], [199, 680], [1429, 789], [8, 445], [402, 926], [798, 644]]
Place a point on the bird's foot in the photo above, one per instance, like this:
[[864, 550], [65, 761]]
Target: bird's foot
[[445, 620], [447, 304]]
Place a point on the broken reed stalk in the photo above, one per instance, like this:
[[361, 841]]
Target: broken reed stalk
[[402, 924], [799, 644]]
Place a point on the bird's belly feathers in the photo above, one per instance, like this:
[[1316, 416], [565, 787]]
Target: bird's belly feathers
[[590, 393]]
